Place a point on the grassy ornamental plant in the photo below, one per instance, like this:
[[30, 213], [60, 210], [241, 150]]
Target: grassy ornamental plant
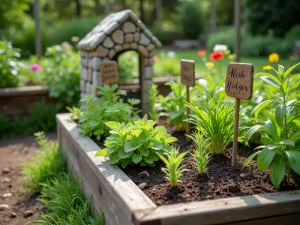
[[110, 107], [135, 142], [201, 155], [173, 169], [215, 121], [280, 132]]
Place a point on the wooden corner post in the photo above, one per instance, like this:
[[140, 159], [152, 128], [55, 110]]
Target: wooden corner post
[[188, 79], [238, 84]]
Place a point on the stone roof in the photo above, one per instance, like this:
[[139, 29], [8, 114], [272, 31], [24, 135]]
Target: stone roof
[[113, 22]]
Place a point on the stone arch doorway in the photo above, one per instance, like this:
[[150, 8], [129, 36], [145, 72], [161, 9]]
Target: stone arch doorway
[[116, 34]]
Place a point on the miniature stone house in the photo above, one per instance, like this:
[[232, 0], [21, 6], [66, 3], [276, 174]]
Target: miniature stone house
[[117, 33]]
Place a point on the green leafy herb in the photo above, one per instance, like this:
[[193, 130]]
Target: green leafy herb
[[135, 142], [280, 132]]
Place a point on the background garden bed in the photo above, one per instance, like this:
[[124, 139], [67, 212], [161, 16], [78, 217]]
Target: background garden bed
[[124, 203], [22, 100]]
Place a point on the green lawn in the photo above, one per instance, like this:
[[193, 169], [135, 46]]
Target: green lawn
[[258, 62]]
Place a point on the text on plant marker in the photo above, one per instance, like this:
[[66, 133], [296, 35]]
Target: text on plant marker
[[109, 72], [188, 72], [239, 80]]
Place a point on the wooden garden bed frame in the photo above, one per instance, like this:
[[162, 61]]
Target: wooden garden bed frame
[[22, 100], [123, 203]]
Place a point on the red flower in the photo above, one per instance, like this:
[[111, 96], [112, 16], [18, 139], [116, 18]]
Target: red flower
[[201, 52], [155, 58], [216, 56]]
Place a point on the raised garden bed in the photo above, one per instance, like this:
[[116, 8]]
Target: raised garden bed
[[22, 100], [123, 203]]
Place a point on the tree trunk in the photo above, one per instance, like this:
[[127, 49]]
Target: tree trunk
[[213, 16], [123, 3], [142, 13], [237, 24], [107, 7], [38, 45], [78, 8], [158, 12], [97, 7]]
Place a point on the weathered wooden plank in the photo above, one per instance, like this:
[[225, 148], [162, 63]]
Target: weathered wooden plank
[[116, 195], [21, 91], [222, 211], [277, 220]]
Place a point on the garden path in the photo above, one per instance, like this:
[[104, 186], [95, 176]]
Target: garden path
[[14, 152]]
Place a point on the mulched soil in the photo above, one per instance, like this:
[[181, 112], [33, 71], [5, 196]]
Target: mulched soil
[[13, 153], [221, 180]]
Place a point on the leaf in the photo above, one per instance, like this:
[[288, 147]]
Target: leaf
[[171, 139], [134, 101], [264, 159], [156, 145], [123, 155], [277, 171], [254, 129], [136, 158], [131, 146], [266, 140], [250, 158], [113, 159], [271, 81], [287, 142], [280, 69], [294, 160], [280, 113], [113, 125], [260, 107], [101, 152], [145, 152], [289, 70]]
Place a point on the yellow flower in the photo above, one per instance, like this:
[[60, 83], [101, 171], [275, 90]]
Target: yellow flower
[[231, 56], [210, 65], [273, 58], [227, 52], [268, 67]]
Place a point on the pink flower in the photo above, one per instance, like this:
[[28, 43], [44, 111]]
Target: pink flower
[[35, 67]]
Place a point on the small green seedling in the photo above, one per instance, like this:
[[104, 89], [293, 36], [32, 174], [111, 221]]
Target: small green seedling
[[173, 170], [201, 155]]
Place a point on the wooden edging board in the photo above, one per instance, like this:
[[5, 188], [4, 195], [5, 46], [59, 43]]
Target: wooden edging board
[[123, 203], [21, 91]]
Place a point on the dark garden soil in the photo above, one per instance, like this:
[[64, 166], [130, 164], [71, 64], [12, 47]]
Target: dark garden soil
[[221, 180], [13, 153]]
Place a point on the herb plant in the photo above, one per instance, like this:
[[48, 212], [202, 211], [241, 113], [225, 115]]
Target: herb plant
[[153, 99], [75, 112], [109, 107], [173, 169], [135, 143], [200, 155], [280, 132], [174, 104], [215, 121]]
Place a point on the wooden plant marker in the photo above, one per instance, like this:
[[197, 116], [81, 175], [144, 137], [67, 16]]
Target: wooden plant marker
[[188, 79], [239, 84], [108, 72]]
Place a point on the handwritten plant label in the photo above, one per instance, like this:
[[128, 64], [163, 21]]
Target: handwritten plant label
[[239, 80], [109, 72], [188, 72]]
